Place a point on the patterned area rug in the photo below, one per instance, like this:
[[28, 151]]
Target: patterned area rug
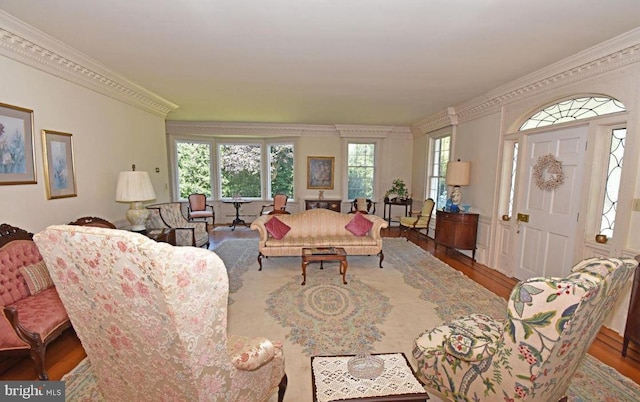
[[380, 310]]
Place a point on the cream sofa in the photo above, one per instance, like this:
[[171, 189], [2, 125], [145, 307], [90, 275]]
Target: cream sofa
[[318, 228]]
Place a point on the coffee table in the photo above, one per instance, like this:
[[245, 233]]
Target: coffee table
[[322, 254], [332, 382]]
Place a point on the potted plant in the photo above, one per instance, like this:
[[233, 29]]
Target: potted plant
[[398, 188]]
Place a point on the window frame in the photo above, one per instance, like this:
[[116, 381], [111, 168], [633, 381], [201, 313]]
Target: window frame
[[376, 163], [431, 163], [176, 170]]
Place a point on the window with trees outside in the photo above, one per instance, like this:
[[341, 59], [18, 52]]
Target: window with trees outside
[[360, 170], [439, 157], [194, 168], [281, 163]]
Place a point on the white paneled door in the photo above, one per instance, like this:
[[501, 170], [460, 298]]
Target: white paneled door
[[547, 241]]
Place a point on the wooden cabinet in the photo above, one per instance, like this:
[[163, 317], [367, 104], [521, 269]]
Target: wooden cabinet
[[457, 230], [333, 205], [632, 329]]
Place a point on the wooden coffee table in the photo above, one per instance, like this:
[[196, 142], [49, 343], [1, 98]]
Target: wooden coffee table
[[322, 254], [332, 382]]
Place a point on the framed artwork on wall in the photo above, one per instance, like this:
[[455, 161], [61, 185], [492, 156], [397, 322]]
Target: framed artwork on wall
[[17, 160], [320, 172], [59, 170]]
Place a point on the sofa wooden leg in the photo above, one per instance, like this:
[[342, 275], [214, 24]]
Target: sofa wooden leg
[[282, 388], [260, 261], [381, 257]]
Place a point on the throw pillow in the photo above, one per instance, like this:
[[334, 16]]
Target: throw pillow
[[37, 277], [359, 225], [277, 228]]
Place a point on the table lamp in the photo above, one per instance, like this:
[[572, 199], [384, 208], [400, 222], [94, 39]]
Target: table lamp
[[458, 174], [135, 187]]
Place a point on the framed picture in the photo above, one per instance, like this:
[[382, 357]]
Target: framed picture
[[17, 160], [320, 172], [59, 171]]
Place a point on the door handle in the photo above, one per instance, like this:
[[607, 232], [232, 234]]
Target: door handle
[[523, 218]]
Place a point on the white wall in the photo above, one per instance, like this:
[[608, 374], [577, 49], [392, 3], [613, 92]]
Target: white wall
[[108, 136]]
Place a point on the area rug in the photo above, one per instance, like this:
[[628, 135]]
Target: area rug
[[379, 310]]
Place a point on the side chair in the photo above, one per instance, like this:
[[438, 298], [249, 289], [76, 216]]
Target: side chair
[[363, 205], [279, 205], [197, 209]]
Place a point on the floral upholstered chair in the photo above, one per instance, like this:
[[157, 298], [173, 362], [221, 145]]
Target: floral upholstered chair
[[420, 221], [169, 215], [533, 353], [153, 319]]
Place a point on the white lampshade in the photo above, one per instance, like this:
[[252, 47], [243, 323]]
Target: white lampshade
[[135, 187], [458, 173]]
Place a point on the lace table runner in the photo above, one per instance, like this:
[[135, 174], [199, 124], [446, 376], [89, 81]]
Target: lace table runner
[[333, 381]]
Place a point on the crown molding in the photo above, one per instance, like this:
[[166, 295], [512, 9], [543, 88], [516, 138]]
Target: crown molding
[[348, 130], [27, 45], [614, 54]]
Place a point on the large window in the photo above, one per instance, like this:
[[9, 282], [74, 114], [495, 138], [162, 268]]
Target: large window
[[239, 167], [439, 157], [361, 170], [281, 163], [573, 109], [194, 168]]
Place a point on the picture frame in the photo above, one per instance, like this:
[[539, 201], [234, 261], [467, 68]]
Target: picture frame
[[17, 150], [59, 166], [320, 172]]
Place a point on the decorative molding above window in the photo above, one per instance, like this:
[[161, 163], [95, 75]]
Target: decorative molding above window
[[20, 42], [573, 109]]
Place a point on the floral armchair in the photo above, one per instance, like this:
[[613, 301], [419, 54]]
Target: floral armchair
[[153, 319], [169, 215], [533, 353]]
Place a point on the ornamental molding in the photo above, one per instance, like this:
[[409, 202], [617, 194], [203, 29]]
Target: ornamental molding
[[608, 56], [27, 45], [211, 128], [445, 118]]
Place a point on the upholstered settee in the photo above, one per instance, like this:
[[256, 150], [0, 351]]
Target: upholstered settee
[[32, 314], [318, 228], [533, 353], [153, 319], [169, 215]]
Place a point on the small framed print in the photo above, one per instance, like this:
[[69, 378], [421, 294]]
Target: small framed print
[[59, 170], [320, 171], [17, 161]]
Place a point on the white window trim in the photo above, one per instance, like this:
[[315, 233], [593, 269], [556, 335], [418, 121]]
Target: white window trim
[[376, 168]]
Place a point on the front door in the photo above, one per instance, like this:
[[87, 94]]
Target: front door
[[547, 241]]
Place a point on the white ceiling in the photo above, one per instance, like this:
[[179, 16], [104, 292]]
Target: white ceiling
[[375, 62]]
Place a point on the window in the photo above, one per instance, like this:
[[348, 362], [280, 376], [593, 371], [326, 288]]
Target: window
[[194, 168], [239, 170], [360, 170], [573, 109], [612, 186], [439, 157], [514, 170], [280, 169]]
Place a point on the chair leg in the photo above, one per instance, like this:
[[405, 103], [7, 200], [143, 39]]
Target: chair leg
[[282, 388]]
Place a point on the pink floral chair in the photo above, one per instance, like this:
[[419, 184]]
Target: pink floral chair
[[533, 353], [153, 319]]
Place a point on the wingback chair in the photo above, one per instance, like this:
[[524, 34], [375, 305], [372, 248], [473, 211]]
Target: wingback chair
[[153, 319], [533, 353], [420, 221], [278, 207], [169, 215], [197, 209]]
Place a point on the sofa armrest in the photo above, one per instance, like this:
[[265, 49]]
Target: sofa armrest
[[258, 224], [378, 225]]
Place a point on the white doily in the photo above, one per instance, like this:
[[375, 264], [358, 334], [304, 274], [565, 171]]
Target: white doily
[[333, 381]]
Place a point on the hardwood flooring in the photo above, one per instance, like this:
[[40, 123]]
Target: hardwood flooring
[[66, 352]]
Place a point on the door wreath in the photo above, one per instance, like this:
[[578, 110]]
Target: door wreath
[[547, 173]]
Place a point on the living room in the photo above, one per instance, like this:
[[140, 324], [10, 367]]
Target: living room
[[116, 123]]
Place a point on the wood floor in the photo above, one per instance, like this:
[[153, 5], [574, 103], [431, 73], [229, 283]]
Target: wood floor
[[66, 352]]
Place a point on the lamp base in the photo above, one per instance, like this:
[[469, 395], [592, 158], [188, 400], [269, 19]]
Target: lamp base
[[137, 216]]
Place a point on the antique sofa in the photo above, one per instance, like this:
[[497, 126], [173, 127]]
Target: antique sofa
[[531, 354], [318, 228], [153, 319], [169, 215], [32, 314]]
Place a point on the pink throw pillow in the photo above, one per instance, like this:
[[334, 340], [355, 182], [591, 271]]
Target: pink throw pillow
[[359, 225], [277, 228]]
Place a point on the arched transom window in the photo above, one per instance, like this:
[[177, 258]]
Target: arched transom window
[[573, 109]]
